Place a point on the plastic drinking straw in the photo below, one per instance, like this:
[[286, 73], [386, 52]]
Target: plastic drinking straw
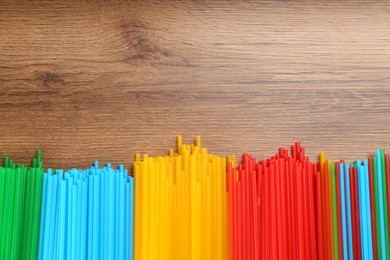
[[12, 212], [380, 204], [84, 226], [69, 236], [320, 235], [61, 218], [312, 196], [348, 210], [384, 188], [96, 214], [26, 204], [367, 206], [91, 215], [325, 227], [43, 214], [308, 219], [111, 209], [17, 212], [9, 212], [338, 207], [363, 228], [37, 205], [122, 216], [372, 209], [343, 211], [52, 217], [328, 213], [231, 210], [376, 198], [333, 208], [48, 215], [267, 221], [274, 253], [358, 222], [298, 182], [130, 206], [387, 169]]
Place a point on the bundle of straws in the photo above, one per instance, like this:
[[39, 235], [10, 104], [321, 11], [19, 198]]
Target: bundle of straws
[[87, 214], [194, 205], [181, 205], [20, 203]]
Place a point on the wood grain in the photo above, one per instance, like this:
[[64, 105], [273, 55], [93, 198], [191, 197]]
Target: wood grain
[[104, 80]]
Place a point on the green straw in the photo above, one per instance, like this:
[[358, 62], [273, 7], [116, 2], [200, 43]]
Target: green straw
[[20, 202], [376, 198], [385, 203], [334, 210]]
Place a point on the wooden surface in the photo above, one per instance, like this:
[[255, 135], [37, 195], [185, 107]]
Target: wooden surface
[[104, 80]]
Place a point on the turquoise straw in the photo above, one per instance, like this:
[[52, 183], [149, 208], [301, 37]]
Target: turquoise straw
[[69, 235], [55, 212], [53, 218], [343, 212], [368, 208], [46, 234], [61, 219], [43, 214], [131, 218], [96, 216], [90, 216], [127, 217], [84, 226], [111, 210], [361, 209], [122, 219], [78, 215]]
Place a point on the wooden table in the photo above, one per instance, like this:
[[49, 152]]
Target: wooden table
[[97, 80]]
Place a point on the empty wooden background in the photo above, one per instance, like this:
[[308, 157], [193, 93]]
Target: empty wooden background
[[88, 80]]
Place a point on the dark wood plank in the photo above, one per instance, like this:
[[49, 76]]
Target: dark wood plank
[[99, 80]]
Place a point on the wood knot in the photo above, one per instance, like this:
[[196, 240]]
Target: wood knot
[[52, 78]]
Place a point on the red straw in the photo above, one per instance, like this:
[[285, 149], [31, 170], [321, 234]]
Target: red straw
[[328, 229], [320, 240], [312, 216], [355, 215], [231, 207], [388, 186], [372, 209], [267, 213], [274, 238]]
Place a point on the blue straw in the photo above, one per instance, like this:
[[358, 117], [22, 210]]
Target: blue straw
[[53, 215], [43, 214], [75, 236], [131, 218], [96, 215], [368, 209], [46, 234], [361, 208], [90, 216], [69, 237], [56, 218], [116, 213], [127, 222], [111, 210], [121, 206], [343, 213], [61, 219]]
